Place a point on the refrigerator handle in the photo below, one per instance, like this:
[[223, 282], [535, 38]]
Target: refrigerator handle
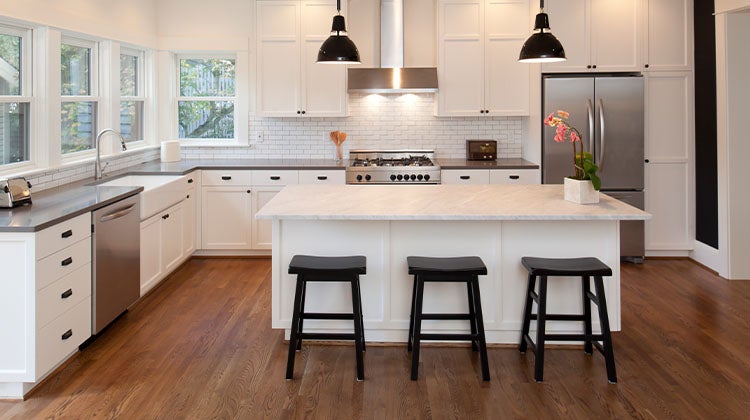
[[590, 113], [601, 135]]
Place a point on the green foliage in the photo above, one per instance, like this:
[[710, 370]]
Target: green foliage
[[212, 77], [588, 169]]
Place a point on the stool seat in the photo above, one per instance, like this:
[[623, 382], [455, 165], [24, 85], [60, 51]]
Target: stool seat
[[310, 264], [464, 265], [586, 266]]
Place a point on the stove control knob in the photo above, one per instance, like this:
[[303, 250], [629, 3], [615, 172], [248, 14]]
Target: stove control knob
[[393, 177], [419, 177], [426, 177], [368, 177], [413, 177], [359, 177], [400, 177]]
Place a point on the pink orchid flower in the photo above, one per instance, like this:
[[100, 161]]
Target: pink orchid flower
[[560, 132], [563, 114], [574, 137], [549, 121]]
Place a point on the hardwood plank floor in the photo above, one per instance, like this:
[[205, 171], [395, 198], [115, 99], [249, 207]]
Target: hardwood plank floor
[[200, 346]]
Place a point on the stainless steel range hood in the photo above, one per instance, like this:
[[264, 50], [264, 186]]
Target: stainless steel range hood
[[392, 76]]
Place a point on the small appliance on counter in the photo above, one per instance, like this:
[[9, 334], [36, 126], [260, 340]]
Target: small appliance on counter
[[481, 150], [14, 192]]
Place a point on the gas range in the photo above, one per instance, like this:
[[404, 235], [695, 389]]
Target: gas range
[[392, 167]]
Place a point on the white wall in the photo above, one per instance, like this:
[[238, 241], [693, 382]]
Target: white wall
[[129, 21], [205, 25], [722, 6]]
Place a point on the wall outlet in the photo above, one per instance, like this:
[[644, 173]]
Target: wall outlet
[[259, 137]]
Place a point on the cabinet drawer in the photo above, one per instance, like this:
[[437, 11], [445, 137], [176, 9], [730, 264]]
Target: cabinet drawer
[[62, 295], [62, 263], [228, 178], [62, 336], [514, 176], [332, 177], [62, 235], [284, 177], [461, 176]]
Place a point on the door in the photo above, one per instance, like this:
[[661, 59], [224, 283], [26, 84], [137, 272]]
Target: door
[[575, 95], [618, 148]]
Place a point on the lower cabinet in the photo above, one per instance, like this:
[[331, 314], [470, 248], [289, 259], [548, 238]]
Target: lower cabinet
[[162, 245], [262, 228], [226, 214], [490, 176]]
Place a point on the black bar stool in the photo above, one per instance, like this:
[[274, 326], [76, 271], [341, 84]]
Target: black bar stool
[[567, 267], [453, 270], [327, 269]]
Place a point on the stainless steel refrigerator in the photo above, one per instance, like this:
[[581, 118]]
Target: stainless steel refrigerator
[[608, 111]]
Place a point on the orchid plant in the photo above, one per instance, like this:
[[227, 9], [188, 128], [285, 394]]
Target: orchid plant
[[583, 162]]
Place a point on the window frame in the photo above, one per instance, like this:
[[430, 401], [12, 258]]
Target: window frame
[[93, 96], [140, 96], [26, 94], [240, 101]]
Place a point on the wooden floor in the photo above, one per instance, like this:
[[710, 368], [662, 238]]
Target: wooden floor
[[200, 346]]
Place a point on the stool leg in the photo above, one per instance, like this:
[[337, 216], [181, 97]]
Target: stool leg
[[472, 316], [410, 339], [361, 314], [294, 335], [302, 312], [540, 330], [527, 314], [609, 355], [478, 319], [588, 348], [358, 337], [419, 295]]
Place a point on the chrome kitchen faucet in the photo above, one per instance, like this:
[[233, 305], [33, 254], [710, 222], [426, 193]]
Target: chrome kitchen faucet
[[98, 170]]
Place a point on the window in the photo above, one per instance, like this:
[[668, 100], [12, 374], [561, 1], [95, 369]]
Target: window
[[207, 98], [132, 97], [15, 95], [78, 68]]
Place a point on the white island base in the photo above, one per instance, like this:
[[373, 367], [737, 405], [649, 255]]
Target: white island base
[[498, 238]]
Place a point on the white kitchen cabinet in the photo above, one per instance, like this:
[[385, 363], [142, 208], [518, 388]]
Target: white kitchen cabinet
[[465, 176], [262, 228], [668, 183], [490, 176], [162, 245], [478, 45], [326, 176], [46, 309], [515, 176], [597, 35], [191, 219], [289, 81], [226, 217], [669, 35]]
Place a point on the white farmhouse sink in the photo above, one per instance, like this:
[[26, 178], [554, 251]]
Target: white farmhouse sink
[[159, 191]]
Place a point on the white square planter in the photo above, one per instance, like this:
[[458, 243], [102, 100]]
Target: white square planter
[[581, 192]]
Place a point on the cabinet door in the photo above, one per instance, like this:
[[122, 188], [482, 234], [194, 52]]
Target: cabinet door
[[668, 138], [278, 63], [461, 57], [615, 35], [515, 176], [262, 228], [669, 35], [151, 266], [172, 225], [569, 22], [465, 176], [506, 80], [226, 221], [331, 177], [190, 223], [323, 86]]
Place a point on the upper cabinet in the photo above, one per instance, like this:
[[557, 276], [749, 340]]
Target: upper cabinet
[[669, 28], [289, 81], [478, 46], [598, 35]]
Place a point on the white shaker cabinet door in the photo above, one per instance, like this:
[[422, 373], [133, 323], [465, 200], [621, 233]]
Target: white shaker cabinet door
[[172, 227], [262, 228], [278, 80], [151, 258], [569, 22], [615, 35], [669, 26], [226, 217]]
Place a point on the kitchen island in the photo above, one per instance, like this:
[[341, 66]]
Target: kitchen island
[[387, 223]]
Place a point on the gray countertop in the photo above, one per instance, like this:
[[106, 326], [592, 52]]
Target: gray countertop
[[55, 205]]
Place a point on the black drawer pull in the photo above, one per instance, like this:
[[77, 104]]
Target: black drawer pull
[[165, 217], [67, 261], [66, 294], [190, 181], [188, 196], [465, 177], [275, 178], [67, 334], [322, 178], [67, 234], [226, 178], [513, 176]]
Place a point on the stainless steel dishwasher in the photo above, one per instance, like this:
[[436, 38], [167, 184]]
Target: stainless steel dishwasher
[[116, 260]]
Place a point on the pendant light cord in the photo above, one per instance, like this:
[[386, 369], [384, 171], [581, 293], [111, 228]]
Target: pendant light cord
[[541, 5]]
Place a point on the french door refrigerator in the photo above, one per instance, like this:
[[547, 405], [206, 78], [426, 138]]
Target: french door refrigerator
[[608, 111]]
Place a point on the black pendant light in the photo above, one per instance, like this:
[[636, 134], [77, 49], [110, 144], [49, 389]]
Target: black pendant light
[[541, 47], [338, 48]]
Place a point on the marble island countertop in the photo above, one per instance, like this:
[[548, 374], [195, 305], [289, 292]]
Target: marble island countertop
[[439, 202]]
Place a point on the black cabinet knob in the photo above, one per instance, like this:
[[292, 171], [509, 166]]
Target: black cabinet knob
[[303, 112], [594, 66], [646, 66], [299, 112], [647, 161], [588, 66]]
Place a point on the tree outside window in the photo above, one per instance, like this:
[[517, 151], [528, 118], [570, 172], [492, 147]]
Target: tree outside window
[[131, 95], [14, 107], [79, 106], [207, 98]]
